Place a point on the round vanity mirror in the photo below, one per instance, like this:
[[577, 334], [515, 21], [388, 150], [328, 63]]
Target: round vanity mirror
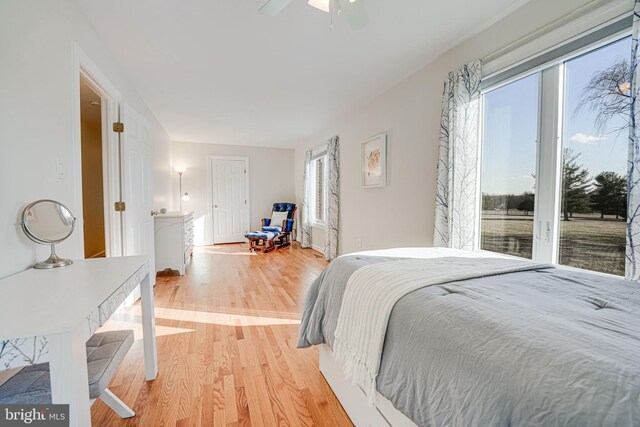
[[48, 222]]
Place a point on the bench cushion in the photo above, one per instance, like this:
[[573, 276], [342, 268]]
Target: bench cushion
[[261, 235], [29, 385], [105, 351]]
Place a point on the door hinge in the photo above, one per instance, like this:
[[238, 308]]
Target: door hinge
[[118, 127], [245, 202], [120, 206]]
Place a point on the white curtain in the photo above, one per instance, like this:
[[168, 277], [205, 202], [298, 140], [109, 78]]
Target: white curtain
[[333, 198], [305, 214], [457, 186], [633, 164]]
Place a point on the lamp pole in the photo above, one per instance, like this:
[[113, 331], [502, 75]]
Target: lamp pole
[[180, 196]]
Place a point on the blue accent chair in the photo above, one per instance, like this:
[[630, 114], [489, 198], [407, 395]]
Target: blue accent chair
[[282, 230]]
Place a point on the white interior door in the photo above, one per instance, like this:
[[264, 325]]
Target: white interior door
[[230, 197], [137, 185]]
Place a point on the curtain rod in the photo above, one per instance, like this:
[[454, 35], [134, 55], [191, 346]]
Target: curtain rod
[[554, 25], [319, 146]]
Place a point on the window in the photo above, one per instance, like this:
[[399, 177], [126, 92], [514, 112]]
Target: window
[[509, 167], [554, 158], [593, 197], [319, 190]]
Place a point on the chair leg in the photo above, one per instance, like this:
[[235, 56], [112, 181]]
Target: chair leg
[[283, 241], [116, 404], [270, 246]]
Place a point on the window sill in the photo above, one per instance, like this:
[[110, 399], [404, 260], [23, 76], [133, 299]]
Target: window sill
[[319, 226]]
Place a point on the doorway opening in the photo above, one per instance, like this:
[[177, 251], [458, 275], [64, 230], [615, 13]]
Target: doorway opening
[[92, 149]]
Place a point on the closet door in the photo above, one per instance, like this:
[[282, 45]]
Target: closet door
[[230, 199], [137, 185]]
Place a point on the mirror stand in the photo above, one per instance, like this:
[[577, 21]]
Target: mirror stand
[[53, 261], [48, 222]]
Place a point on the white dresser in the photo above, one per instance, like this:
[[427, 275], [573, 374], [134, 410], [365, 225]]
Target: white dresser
[[174, 240]]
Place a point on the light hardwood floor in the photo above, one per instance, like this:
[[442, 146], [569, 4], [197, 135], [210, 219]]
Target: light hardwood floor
[[227, 353]]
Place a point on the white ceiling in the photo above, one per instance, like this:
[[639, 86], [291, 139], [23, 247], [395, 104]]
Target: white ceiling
[[217, 71]]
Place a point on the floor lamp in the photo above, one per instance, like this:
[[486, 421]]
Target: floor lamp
[[184, 196]]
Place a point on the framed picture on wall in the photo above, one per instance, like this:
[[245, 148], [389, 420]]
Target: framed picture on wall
[[374, 161]]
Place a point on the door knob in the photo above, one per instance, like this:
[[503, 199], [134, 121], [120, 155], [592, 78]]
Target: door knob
[[215, 206]]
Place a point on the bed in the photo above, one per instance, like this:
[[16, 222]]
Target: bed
[[525, 345]]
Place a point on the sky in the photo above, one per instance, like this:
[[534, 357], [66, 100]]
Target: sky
[[511, 120]]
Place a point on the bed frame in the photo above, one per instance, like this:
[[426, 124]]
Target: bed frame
[[355, 402]]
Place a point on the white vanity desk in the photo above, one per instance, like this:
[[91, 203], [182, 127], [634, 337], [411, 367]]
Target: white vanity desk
[[48, 315]]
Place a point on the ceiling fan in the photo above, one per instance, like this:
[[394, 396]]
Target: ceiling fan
[[352, 9]]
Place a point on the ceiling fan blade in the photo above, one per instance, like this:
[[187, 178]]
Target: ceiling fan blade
[[354, 11], [273, 7]]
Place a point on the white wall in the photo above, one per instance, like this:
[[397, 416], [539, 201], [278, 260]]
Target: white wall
[[36, 119], [402, 214], [270, 180]]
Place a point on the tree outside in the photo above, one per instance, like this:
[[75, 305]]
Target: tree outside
[[608, 94], [527, 203], [609, 195], [575, 185]]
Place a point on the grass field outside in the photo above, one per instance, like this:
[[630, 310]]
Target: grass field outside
[[586, 241]]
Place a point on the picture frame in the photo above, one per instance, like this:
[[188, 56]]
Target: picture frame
[[373, 162]]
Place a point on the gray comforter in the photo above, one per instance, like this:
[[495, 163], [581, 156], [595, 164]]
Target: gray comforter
[[547, 347]]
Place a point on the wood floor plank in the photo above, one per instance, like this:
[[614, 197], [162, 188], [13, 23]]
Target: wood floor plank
[[227, 334]]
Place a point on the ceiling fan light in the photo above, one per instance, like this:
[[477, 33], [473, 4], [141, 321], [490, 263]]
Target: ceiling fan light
[[322, 5]]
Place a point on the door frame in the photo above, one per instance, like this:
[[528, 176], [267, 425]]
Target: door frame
[[210, 187], [85, 67]]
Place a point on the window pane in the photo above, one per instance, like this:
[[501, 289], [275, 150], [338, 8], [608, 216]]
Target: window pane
[[594, 187], [509, 166]]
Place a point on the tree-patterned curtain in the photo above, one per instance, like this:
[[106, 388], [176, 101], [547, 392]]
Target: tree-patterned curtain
[[305, 215], [457, 186], [633, 165], [333, 198]]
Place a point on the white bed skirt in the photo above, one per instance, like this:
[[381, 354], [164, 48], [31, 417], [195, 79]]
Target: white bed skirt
[[354, 400]]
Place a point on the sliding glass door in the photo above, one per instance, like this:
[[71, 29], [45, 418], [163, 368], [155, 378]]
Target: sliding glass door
[[594, 153], [554, 159], [510, 132]]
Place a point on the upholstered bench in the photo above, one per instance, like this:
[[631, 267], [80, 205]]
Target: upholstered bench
[[256, 237], [105, 351]]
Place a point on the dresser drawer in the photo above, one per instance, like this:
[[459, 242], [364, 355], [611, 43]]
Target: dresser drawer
[[174, 241], [187, 253]]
